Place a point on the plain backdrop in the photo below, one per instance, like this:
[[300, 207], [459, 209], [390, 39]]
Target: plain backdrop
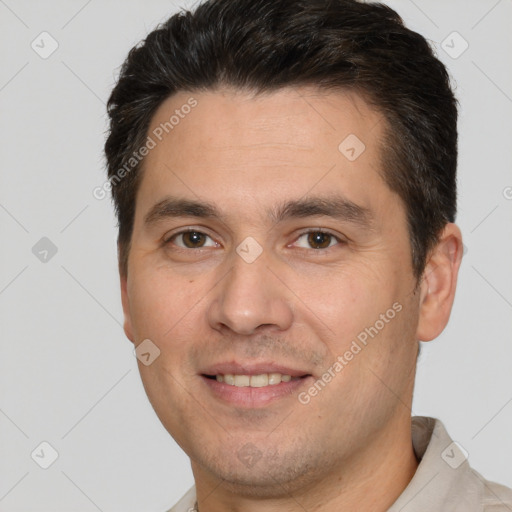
[[68, 376]]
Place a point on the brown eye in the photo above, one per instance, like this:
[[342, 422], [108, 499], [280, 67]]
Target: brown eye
[[317, 240], [192, 240]]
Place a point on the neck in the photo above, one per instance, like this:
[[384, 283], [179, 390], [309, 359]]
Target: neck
[[370, 481]]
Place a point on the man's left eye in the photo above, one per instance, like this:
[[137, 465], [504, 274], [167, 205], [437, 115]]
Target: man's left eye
[[318, 240]]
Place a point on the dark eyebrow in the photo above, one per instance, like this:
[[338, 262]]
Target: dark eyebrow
[[175, 207], [337, 207]]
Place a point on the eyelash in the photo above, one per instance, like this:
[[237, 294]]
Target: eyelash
[[307, 232]]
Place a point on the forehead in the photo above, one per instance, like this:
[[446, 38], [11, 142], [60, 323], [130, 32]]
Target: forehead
[[304, 117], [234, 145]]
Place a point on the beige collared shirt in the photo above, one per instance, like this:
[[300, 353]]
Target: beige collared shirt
[[443, 482]]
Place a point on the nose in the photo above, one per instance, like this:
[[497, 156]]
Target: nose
[[250, 296]]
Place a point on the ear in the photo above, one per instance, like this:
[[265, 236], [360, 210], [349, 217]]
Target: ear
[[438, 284], [126, 307]]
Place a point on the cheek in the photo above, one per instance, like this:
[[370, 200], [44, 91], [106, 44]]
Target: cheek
[[389, 354], [160, 302], [345, 300]]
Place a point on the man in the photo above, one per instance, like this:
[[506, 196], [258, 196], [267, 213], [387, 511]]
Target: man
[[284, 178]]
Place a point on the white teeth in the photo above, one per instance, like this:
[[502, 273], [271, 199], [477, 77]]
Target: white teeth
[[258, 381], [253, 381], [242, 381], [274, 378]]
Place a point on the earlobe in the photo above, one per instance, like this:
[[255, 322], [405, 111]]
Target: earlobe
[[127, 326], [438, 284]]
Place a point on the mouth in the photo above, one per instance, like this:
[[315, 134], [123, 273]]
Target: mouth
[[253, 381], [253, 386]]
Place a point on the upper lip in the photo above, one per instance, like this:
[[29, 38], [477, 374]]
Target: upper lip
[[235, 368]]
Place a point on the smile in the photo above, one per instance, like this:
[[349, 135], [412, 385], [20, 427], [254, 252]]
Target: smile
[[254, 381], [255, 390]]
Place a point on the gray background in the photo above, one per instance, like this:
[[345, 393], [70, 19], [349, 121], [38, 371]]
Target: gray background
[[68, 375]]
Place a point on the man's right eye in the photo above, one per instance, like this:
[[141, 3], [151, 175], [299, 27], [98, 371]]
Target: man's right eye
[[190, 239]]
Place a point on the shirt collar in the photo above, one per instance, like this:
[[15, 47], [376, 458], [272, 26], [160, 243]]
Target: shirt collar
[[443, 480]]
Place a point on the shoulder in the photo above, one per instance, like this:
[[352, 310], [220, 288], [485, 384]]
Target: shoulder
[[456, 487], [496, 497]]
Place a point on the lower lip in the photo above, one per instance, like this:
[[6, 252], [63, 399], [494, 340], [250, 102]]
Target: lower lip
[[255, 397]]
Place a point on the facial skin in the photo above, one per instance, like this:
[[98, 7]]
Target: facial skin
[[300, 304]]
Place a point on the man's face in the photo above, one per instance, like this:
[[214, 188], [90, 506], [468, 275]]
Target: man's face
[[251, 292]]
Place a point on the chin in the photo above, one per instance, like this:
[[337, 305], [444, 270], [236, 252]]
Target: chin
[[270, 476]]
